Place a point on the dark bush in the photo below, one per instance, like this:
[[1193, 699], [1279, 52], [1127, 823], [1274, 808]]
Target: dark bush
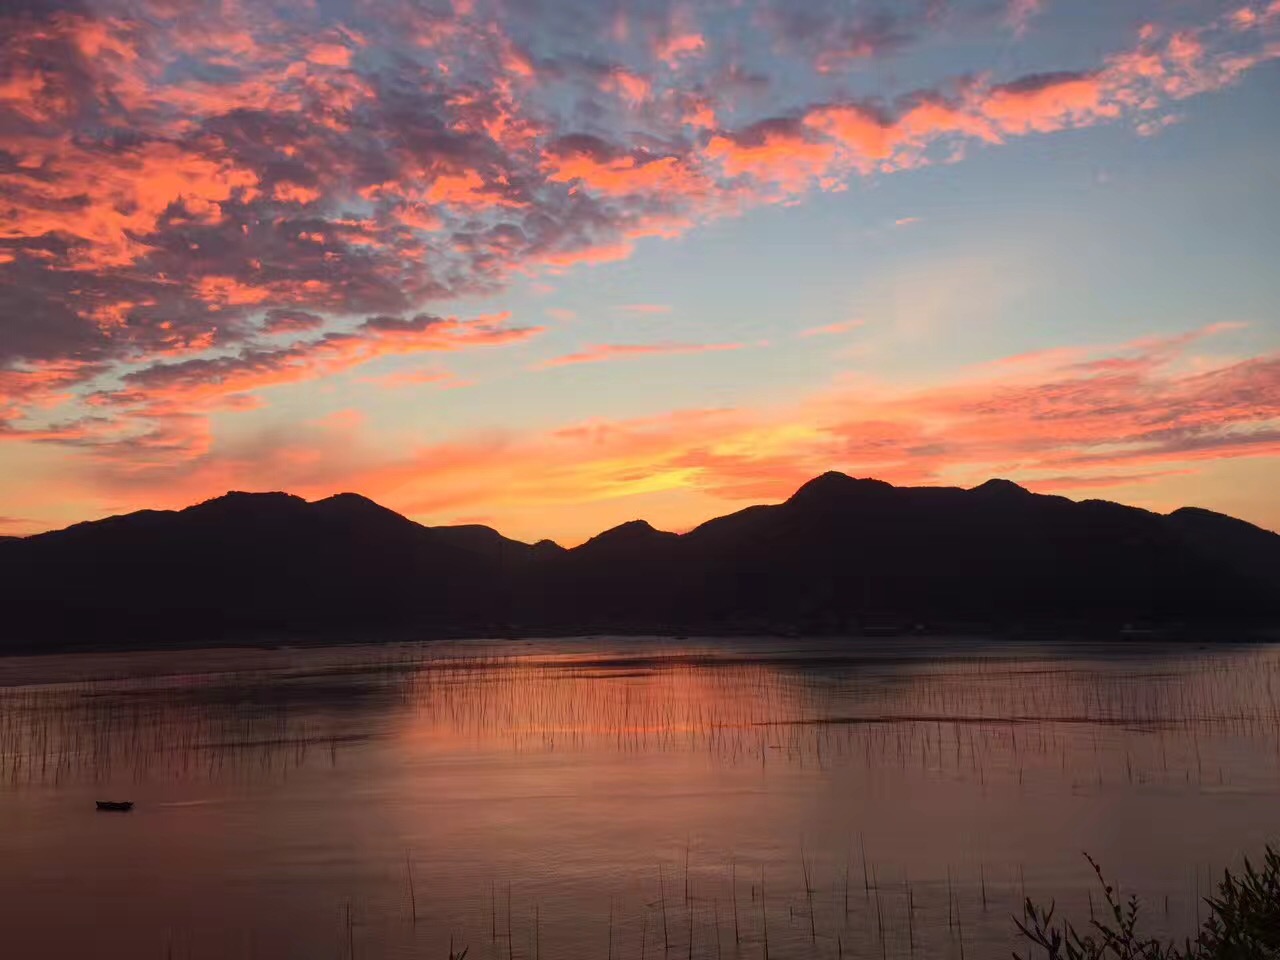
[[1243, 924]]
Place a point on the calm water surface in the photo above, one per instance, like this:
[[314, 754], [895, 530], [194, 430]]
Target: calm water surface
[[617, 798]]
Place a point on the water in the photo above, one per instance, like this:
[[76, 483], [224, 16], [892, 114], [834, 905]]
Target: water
[[895, 798]]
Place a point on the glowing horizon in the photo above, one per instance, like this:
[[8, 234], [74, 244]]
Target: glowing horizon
[[552, 266]]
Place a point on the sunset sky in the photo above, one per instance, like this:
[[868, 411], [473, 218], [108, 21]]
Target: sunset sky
[[552, 265]]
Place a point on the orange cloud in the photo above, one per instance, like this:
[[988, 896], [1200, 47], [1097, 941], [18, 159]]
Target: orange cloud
[[287, 192], [1063, 422], [330, 55], [778, 152], [1028, 426], [625, 175], [1047, 102], [109, 206], [867, 136]]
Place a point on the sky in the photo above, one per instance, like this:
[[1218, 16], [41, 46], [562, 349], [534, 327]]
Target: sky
[[554, 265]]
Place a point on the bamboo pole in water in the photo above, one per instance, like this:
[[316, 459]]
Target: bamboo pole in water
[[950, 914], [733, 880], [688, 902], [866, 882], [764, 916], [911, 927], [808, 892], [662, 898], [413, 901], [879, 913]]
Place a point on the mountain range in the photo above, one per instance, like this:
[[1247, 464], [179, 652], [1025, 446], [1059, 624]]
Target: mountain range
[[841, 555]]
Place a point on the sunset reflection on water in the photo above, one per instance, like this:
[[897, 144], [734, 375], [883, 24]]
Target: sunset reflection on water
[[275, 787]]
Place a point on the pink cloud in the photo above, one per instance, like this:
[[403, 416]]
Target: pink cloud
[[644, 308], [599, 353], [1101, 481], [678, 46], [1020, 13], [441, 379], [632, 87], [842, 326], [604, 253], [212, 379]]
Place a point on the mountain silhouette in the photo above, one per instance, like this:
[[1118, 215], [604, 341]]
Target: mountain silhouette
[[840, 555]]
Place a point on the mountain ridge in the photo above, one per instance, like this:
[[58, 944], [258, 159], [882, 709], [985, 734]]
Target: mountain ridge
[[840, 553]]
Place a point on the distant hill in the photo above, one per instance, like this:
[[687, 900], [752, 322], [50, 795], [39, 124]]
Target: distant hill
[[841, 555]]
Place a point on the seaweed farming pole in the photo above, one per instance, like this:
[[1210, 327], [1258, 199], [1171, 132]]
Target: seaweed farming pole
[[733, 882], [686, 874], [808, 892], [688, 901], [879, 915], [764, 915], [413, 901], [866, 880], [662, 898], [1022, 883], [950, 914], [911, 921]]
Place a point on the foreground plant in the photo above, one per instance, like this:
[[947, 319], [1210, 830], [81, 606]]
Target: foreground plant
[[1243, 924]]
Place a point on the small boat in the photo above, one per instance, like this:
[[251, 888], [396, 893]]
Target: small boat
[[124, 806]]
